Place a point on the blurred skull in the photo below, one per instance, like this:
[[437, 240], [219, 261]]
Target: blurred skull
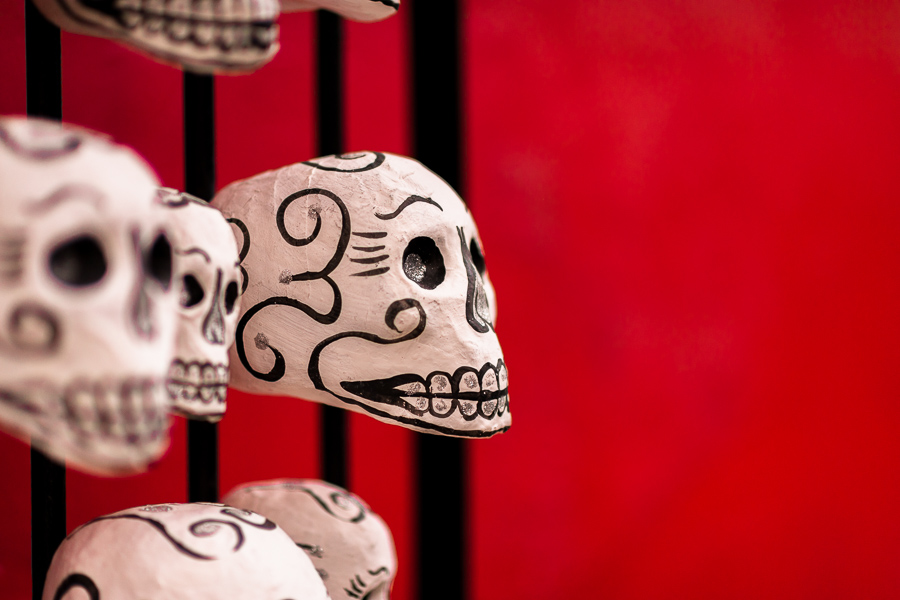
[[87, 316]]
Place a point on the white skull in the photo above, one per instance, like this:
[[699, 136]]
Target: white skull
[[200, 35], [367, 289], [357, 10], [350, 545], [87, 318], [206, 279], [181, 552]]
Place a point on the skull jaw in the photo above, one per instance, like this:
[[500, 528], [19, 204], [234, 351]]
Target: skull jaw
[[174, 41], [197, 388], [113, 441]]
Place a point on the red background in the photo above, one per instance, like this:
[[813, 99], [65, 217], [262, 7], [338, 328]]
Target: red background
[[690, 213]]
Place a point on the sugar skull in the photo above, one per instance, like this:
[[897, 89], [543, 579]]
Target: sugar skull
[[200, 35], [349, 545], [366, 288], [207, 283], [87, 315], [356, 10], [181, 552]]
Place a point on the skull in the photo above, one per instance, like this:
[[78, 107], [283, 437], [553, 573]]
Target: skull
[[200, 35], [367, 289], [351, 546], [357, 10], [181, 552], [87, 321], [207, 276]]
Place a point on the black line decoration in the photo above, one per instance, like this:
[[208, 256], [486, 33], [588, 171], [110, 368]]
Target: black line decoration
[[376, 162], [339, 499], [278, 368], [411, 200], [373, 235], [242, 253], [52, 147], [372, 273], [245, 517], [202, 528], [370, 260], [388, 3], [312, 549], [67, 192], [377, 571], [474, 290], [77, 580], [190, 251], [368, 248]]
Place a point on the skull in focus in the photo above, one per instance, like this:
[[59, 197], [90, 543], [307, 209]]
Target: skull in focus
[[349, 545], [181, 552], [207, 280], [367, 289], [87, 316]]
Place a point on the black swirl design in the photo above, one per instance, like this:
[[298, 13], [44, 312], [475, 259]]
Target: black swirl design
[[202, 528], [242, 253], [337, 504], [77, 580], [278, 368], [390, 319], [19, 336], [63, 144], [375, 163]]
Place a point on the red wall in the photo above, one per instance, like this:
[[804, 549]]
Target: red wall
[[690, 213]]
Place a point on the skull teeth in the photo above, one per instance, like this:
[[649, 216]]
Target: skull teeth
[[193, 381], [197, 24], [469, 392], [133, 412]]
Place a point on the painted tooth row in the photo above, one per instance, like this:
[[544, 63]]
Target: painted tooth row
[[134, 412], [439, 385], [180, 26], [194, 373]]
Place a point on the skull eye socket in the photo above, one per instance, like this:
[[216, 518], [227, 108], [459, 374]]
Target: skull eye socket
[[78, 262], [231, 294], [477, 257], [158, 262], [191, 291], [423, 263]]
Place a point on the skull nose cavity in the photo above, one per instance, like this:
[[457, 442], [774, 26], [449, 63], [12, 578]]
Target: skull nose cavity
[[214, 323], [478, 311]]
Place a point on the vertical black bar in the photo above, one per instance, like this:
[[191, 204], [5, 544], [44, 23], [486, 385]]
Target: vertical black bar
[[330, 140], [200, 180], [43, 89], [437, 132]]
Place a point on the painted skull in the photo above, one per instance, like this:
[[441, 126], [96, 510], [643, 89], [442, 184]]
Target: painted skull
[[181, 552], [207, 282], [199, 35], [350, 545], [366, 288], [365, 11], [87, 317]]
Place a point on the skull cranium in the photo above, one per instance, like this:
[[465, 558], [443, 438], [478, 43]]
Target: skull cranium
[[206, 278], [349, 545], [367, 289], [181, 552]]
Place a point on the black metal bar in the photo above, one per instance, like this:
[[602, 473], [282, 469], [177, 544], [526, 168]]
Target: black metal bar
[[437, 143], [330, 140], [200, 180], [43, 89]]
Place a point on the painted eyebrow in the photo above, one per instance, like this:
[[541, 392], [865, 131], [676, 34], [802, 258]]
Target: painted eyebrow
[[411, 200], [195, 251], [65, 193]]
